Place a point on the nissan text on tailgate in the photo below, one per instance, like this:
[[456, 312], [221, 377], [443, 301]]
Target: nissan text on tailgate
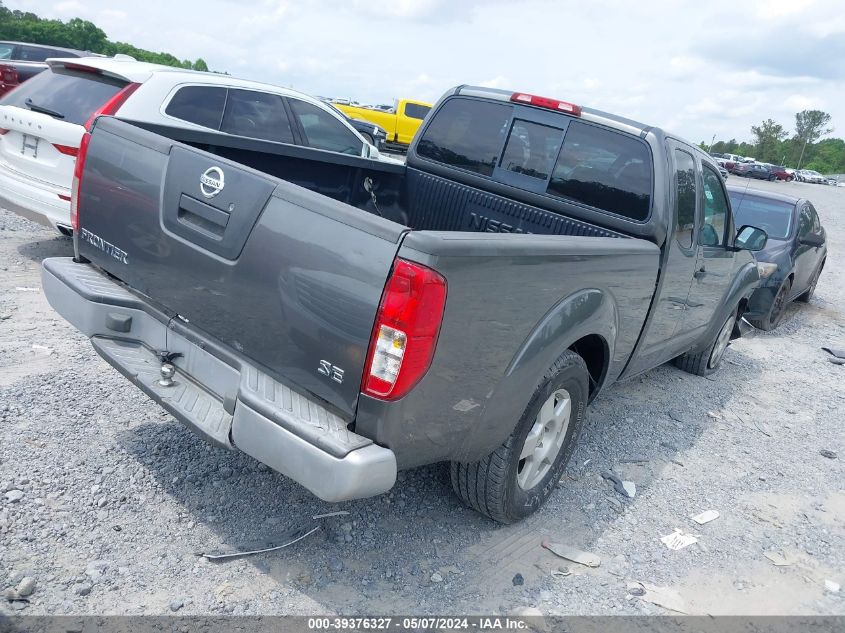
[[339, 319]]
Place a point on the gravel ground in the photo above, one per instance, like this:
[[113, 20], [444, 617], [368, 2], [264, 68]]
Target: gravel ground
[[105, 500]]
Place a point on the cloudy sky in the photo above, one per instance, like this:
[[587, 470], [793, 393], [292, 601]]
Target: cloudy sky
[[696, 68]]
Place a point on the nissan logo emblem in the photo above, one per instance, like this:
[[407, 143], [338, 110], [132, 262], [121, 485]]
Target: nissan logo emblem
[[212, 182]]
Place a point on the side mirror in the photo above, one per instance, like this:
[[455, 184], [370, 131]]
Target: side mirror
[[811, 239], [750, 238]]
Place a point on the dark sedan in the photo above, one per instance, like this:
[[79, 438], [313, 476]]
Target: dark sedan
[[20, 61], [753, 170], [794, 255]]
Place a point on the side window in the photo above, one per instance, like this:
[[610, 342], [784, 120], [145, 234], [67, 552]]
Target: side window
[[324, 131], [202, 105], [467, 134], [532, 149], [805, 221], [715, 209], [607, 170], [416, 111], [256, 114], [34, 54], [685, 198]]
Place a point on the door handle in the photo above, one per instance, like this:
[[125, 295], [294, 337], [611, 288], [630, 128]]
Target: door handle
[[701, 272]]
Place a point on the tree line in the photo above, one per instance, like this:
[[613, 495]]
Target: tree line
[[21, 26], [772, 143]]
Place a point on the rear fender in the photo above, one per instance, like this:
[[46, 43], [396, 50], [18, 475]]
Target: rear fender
[[587, 312]]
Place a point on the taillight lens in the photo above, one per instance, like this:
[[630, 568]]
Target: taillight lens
[[77, 181], [405, 332], [111, 106], [8, 74], [67, 150]]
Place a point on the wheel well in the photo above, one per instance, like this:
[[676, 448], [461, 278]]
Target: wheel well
[[593, 349]]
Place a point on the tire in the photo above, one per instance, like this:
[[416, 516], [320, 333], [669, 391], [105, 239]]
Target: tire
[[809, 292], [778, 308], [503, 485], [708, 360]]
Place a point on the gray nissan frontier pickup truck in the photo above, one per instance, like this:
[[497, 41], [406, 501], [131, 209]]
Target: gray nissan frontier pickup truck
[[339, 318]]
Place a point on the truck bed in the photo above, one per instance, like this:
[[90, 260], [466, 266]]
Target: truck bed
[[405, 195]]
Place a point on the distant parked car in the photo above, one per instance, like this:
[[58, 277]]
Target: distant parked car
[[20, 61], [809, 175], [781, 173], [792, 260], [42, 122], [753, 170]]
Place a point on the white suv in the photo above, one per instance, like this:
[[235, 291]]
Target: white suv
[[42, 121]]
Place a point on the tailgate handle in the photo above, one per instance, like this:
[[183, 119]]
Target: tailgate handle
[[201, 216]]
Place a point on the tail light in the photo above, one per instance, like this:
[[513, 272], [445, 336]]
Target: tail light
[[405, 332], [77, 181], [545, 102], [111, 106], [9, 74], [67, 150]]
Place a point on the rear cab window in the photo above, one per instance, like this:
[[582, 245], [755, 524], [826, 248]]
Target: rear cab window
[[543, 152], [75, 95]]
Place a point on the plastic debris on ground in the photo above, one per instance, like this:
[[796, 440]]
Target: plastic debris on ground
[[678, 540], [624, 488], [660, 596], [575, 555], [288, 538], [779, 559], [705, 517]]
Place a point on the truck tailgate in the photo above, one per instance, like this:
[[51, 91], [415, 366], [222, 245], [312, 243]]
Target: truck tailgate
[[290, 278]]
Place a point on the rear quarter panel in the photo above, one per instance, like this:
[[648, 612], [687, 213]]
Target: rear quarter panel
[[514, 304]]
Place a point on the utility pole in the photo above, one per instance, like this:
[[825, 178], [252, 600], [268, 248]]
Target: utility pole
[[802, 153]]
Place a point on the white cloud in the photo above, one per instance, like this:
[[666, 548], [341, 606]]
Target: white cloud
[[800, 102], [497, 82], [775, 9]]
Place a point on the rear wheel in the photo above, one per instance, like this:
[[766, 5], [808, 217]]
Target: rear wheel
[[707, 361], [771, 320], [517, 478]]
